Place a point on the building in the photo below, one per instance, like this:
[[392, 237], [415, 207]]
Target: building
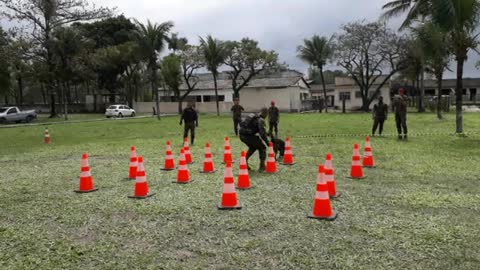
[[470, 86], [287, 88], [345, 87]]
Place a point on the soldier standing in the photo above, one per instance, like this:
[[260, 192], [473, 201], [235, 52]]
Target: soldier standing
[[190, 117], [254, 135], [380, 114], [273, 118], [237, 110], [400, 104]]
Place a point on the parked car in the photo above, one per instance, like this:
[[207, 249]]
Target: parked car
[[119, 111], [13, 114]]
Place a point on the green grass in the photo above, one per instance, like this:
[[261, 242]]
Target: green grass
[[420, 209]]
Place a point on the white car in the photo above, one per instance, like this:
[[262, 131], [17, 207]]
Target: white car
[[119, 111]]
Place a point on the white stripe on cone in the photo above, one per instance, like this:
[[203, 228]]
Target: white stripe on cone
[[322, 195], [229, 188], [85, 174]]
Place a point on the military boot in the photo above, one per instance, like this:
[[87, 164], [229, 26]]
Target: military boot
[[262, 167]]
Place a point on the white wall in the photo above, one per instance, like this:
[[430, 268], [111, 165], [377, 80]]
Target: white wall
[[228, 93], [286, 99], [356, 103], [172, 107]]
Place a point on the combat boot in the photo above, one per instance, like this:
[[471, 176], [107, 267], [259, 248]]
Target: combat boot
[[262, 167]]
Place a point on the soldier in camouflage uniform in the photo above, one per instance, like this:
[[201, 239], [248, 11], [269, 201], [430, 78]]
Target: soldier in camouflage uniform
[[273, 118], [380, 114], [400, 104], [190, 117], [254, 135], [237, 110]]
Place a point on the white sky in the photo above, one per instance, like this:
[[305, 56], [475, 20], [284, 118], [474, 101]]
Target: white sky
[[278, 25]]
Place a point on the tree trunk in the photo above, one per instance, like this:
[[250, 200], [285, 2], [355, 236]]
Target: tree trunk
[[180, 106], [439, 95], [51, 69], [421, 105], [236, 93], [20, 89], [325, 103], [216, 92], [155, 90], [6, 99], [459, 94], [63, 99], [44, 95]]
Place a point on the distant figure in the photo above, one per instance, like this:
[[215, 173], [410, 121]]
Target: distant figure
[[237, 110], [273, 118], [400, 104], [190, 117], [253, 134], [380, 114], [278, 146]]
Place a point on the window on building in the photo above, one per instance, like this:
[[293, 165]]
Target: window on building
[[345, 95], [358, 94], [212, 98], [198, 98], [430, 92]]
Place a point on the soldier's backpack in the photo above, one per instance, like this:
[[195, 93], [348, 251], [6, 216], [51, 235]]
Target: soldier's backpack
[[249, 125]]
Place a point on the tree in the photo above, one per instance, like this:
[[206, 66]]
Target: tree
[[191, 60], [214, 53], [172, 76], [370, 53], [4, 65], [432, 39], [317, 51], [328, 75], [152, 38], [416, 9], [176, 43], [460, 19], [246, 60], [46, 16]]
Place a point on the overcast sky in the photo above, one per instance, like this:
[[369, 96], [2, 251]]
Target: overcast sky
[[278, 25]]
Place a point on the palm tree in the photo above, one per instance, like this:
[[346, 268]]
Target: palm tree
[[316, 51], [415, 9], [460, 19], [214, 53], [176, 43], [152, 38], [431, 39]]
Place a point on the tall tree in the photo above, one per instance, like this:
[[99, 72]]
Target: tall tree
[[176, 43], [172, 76], [317, 51], [46, 16], [4, 65], [461, 20], [432, 39], [371, 54], [246, 60], [415, 9], [152, 38], [191, 60], [214, 53]]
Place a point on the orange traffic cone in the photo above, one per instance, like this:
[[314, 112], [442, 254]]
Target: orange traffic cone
[[356, 171], [322, 208], [188, 154], [132, 172], [183, 175], [86, 179], [208, 165], [227, 155], [330, 177], [271, 163], [368, 160], [141, 185], [229, 195], [47, 139], [288, 157], [169, 159], [243, 176]]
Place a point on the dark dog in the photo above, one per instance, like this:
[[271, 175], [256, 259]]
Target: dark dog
[[278, 147]]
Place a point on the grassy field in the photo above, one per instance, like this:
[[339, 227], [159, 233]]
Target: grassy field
[[419, 209]]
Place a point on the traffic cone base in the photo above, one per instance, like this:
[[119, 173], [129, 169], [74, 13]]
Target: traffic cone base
[[237, 207], [141, 197], [210, 172], [85, 191], [363, 177], [244, 188], [288, 164], [182, 183], [168, 170], [330, 218]]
